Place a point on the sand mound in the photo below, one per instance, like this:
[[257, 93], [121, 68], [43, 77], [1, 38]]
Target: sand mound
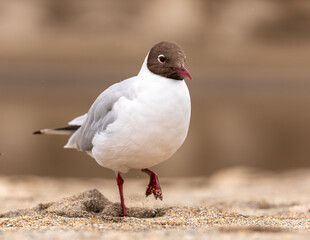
[[86, 204]]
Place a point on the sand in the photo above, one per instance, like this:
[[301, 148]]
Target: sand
[[236, 203]]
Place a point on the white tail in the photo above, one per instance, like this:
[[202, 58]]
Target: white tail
[[58, 131]]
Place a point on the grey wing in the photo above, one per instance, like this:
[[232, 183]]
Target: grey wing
[[100, 115]]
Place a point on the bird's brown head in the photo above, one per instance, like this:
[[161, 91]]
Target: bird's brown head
[[167, 59]]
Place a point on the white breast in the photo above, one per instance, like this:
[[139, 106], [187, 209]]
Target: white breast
[[149, 127]]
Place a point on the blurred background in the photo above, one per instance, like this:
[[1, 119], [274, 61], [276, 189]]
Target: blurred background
[[250, 63]]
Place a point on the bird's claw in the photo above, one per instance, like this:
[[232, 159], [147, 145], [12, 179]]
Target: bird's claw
[[154, 188]]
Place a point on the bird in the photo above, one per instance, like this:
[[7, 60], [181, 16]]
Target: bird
[[138, 122]]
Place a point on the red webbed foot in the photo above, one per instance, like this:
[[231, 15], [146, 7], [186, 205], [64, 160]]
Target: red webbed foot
[[154, 186]]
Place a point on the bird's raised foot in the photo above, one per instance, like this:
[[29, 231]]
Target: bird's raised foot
[[154, 186], [154, 189]]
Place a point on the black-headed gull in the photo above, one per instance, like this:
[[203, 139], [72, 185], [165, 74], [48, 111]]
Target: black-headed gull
[[139, 122]]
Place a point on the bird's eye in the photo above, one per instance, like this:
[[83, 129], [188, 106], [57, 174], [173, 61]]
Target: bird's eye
[[161, 58]]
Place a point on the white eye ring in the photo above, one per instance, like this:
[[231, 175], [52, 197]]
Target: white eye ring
[[161, 58]]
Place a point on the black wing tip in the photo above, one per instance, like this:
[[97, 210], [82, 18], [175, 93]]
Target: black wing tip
[[37, 132]]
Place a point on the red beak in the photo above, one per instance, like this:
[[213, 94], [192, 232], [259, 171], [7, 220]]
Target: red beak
[[184, 72]]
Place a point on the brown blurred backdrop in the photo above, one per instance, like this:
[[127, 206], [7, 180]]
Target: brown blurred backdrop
[[250, 61]]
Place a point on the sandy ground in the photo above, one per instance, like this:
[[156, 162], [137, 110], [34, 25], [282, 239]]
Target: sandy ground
[[236, 203]]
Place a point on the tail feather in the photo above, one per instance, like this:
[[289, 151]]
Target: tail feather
[[68, 130]]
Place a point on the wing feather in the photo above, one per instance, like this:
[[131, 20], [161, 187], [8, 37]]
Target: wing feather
[[99, 116]]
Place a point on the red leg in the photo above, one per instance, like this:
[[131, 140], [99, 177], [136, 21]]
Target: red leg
[[154, 186], [120, 182]]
